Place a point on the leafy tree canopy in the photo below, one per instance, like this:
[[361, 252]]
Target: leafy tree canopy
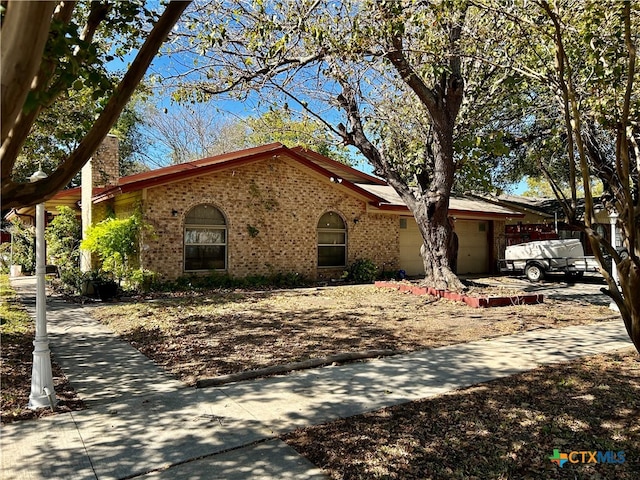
[[412, 100], [59, 129], [60, 50], [281, 126]]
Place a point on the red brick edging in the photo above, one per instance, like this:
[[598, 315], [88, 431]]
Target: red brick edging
[[476, 302]]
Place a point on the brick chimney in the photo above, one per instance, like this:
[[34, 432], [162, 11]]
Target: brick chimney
[[104, 166], [102, 170]]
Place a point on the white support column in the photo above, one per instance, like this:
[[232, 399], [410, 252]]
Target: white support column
[[85, 204], [42, 392]]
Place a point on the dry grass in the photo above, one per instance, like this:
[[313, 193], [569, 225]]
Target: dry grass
[[219, 333], [504, 429]]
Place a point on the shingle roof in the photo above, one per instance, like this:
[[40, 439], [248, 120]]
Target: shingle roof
[[375, 190], [457, 204], [543, 206], [339, 169], [182, 171]]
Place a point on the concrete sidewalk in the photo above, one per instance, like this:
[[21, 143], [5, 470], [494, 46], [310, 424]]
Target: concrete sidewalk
[[142, 423]]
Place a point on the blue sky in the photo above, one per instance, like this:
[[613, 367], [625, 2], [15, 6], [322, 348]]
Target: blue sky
[[164, 65], [230, 109]]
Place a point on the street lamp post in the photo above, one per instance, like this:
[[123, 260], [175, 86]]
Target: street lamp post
[[42, 392]]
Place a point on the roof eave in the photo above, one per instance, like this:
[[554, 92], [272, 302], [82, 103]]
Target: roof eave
[[339, 166], [184, 174], [452, 211]]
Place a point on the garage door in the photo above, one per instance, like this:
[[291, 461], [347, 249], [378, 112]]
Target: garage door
[[473, 249], [410, 243]]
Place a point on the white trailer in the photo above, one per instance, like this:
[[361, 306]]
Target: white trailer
[[536, 259]]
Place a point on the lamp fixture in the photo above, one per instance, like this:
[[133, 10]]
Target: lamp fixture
[[335, 180], [174, 212]]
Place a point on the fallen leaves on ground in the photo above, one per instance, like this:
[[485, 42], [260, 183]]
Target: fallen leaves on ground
[[504, 429], [16, 360], [217, 333]]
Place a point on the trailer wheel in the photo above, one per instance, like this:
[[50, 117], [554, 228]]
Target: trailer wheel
[[534, 272]]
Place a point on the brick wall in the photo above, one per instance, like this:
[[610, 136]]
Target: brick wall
[[280, 200], [105, 163]]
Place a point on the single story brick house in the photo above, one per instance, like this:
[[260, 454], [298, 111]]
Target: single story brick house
[[274, 209]]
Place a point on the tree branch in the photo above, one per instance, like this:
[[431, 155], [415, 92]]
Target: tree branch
[[409, 76], [14, 194], [18, 68], [12, 145], [267, 72], [358, 138]]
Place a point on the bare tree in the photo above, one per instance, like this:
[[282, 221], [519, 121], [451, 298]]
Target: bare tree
[[192, 131]]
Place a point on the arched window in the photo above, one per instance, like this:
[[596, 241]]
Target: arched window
[[332, 241], [205, 239]]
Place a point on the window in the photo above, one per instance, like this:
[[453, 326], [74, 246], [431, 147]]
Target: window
[[205, 239], [332, 241]]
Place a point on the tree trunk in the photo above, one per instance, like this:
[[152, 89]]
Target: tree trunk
[[436, 257], [629, 304], [431, 211], [429, 199], [430, 203], [25, 29]]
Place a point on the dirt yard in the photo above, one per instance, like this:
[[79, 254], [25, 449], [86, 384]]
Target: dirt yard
[[199, 336]]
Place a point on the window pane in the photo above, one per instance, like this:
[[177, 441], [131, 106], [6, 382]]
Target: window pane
[[331, 256], [205, 247], [331, 220], [205, 215], [204, 257], [331, 238], [204, 235]]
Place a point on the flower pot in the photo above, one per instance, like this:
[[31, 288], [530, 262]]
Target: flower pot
[[107, 290]]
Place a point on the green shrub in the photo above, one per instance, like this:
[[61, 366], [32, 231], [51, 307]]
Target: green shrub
[[290, 279], [117, 243], [387, 275], [362, 270], [141, 280], [5, 257], [22, 249], [217, 280], [70, 280]]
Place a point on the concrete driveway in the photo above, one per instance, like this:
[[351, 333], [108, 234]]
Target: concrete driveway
[[586, 289]]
